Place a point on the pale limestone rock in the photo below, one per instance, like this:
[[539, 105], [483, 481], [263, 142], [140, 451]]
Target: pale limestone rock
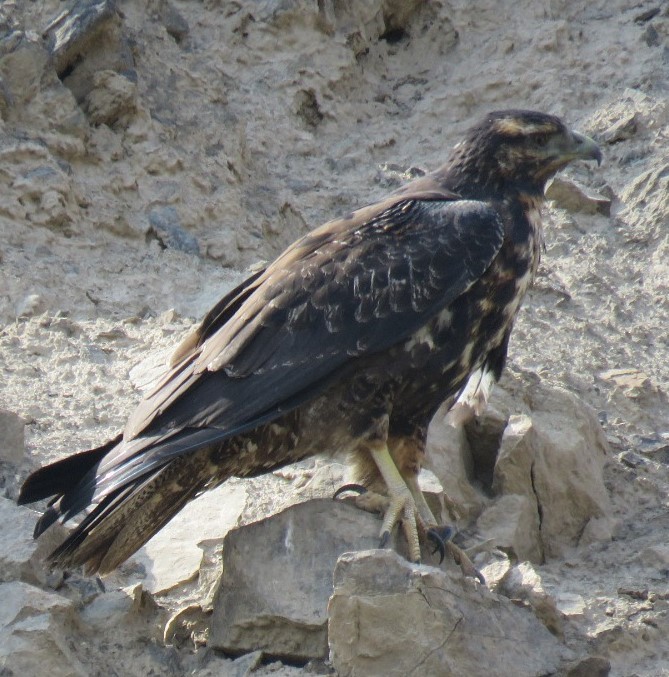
[[554, 456], [21, 557], [173, 556], [567, 472], [87, 38], [567, 195], [512, 523], [598, 530], [523, 583], [392, 618], [12, 437], [34, 629], [277, 578]]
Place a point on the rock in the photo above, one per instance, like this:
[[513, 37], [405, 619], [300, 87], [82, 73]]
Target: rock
[[34, 632], [592, 666], [277, 578], [170, 17], [23, 61], [555, 455], [173, 556], [655, 556], [622, 130], [21, 557], [512, 523], [166, 226], [390, 617], [567, 195], [523, 583], [85, 39], [597, 530], [112, 99], [12, 437], [570, 604], [126, 608]]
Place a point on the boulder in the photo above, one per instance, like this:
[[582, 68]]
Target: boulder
[[34, 625], [277, 578], [393, 618]]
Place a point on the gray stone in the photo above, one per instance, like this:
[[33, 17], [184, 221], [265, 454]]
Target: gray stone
[[277, 578], [87, 38], [113, 98], [554, 456], [567, 195], [592, 666], [450, 458], [623, 129], [512, 523], [389, 617], [165, 225], [523, 583], [567, 473], [21, 557], [12, 437], [34, 626], [171, 18]]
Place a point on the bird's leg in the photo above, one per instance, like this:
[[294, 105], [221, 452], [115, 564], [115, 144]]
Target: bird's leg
[[440, 536], [402, 504]]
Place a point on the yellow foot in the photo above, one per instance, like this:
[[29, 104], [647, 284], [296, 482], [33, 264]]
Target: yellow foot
[[402, 505]]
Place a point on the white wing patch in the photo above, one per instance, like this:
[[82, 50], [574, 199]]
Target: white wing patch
[[473, 399]]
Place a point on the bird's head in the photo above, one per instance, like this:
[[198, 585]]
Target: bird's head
[[516, 149]]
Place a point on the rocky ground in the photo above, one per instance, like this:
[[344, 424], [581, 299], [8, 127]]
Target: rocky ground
[[151, 152]]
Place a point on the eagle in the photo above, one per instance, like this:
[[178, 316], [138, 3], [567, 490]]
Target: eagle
[[348, 342]]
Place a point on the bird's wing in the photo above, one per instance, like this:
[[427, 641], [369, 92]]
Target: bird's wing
[[349, 289]]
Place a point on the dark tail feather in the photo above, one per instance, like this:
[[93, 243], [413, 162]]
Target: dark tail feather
[[128, 518], [62, 476]]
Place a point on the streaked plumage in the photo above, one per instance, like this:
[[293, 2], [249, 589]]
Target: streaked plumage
[[350, 340]]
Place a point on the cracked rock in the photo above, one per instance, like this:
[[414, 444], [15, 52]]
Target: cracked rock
[[389, 617], [277, 578]]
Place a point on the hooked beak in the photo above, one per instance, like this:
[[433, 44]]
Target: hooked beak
[[582, 148]]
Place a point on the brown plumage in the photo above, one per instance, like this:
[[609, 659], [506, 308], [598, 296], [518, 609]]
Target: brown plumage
[[348, 341]]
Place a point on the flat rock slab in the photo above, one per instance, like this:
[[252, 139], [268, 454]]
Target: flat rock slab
[[277, 578], [173, 556], [393, 618]]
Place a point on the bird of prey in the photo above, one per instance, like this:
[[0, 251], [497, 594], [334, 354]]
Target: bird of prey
[[349, 341]]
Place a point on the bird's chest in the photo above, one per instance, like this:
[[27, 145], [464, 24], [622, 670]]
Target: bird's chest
[[456, 341]]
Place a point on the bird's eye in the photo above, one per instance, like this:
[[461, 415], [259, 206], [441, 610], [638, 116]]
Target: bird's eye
[[541, 140]]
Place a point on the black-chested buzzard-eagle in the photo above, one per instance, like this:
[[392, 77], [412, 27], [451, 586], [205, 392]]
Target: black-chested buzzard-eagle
[[350, 340]]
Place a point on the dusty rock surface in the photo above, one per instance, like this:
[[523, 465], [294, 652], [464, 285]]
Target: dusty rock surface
[[151, 152]]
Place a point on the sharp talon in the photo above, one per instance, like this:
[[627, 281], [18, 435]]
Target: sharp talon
[[481, 577], [358, 488], [385, 537], [437, 540], [445, 533]]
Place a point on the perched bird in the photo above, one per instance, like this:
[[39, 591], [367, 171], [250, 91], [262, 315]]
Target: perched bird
[[349, 341]]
